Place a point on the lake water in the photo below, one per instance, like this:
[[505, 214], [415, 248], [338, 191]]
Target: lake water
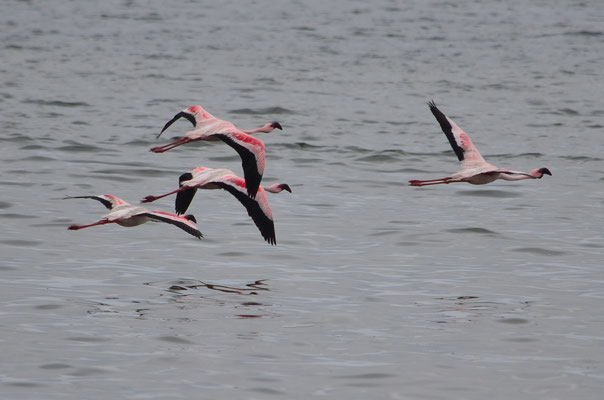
[[376, 290]]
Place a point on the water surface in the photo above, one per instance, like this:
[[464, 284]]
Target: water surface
[[375, 289]]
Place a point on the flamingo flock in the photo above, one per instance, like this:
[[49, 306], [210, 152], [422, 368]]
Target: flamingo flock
[[248, 191]]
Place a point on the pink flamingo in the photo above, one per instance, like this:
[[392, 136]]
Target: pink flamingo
[[474, 169], [125, 214], [208, 127], [207, 178]]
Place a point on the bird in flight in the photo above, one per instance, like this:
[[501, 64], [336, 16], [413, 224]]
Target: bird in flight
[[474, 169], [125, 214], [209, 128], [220, 178]]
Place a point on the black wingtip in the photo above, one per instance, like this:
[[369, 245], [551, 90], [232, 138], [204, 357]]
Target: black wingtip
[[447, 129], [181, 114], [183, 200], [187, 176]]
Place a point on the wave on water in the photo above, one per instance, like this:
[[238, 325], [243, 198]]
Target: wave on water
[[502, 194], [73, 146], [581, 158], [150, 172], [57, 103], [521, 155], [481, 231], [540, 251], [584, 33], [262, 111]]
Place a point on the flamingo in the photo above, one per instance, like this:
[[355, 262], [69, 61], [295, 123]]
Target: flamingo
[[208, 127], [207, 178], [125, 214], [474, 169]]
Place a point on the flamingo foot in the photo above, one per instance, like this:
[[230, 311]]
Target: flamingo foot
[[149, 199]]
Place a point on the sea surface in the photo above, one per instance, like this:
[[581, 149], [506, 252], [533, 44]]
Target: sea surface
[[375, 290]]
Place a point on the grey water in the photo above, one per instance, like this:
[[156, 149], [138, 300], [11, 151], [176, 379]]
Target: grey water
[[375, 290]]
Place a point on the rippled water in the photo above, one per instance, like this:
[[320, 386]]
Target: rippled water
[[376, 289]]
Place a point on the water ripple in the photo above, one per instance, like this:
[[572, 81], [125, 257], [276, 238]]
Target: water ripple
[[489, 193], [58, 103], [263, 111]]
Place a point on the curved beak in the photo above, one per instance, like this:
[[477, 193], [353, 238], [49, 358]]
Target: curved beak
[[545, 171], [277, 125]]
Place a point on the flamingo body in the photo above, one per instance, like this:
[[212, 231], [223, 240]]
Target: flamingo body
[[207, 127], [127, 215], [207, 178], [474, 169]]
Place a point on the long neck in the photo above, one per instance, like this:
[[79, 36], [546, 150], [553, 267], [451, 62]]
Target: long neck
[[516, 177], [265, 129]]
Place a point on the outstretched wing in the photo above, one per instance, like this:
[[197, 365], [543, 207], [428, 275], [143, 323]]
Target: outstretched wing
[[181, 222], [107, 200], [251, 151], [182, 114], [466, 152], [257, 208], [194, 114]]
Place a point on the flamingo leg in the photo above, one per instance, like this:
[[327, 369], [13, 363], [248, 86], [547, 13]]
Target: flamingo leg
[[75, 227], [150, 198], [170, 146], [432, 181]]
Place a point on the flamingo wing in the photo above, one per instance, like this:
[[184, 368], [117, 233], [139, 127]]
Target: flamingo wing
[[107, 200], [176, 220], [252, 153], [196, 115], [183, 200], [258, 208], [466, 152], [182, 114]]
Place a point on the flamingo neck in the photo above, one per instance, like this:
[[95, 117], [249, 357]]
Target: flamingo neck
[[507, 177], [265, 129]]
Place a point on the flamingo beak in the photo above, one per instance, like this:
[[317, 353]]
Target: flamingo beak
[[285, 186], [545, 171], [277, 125]]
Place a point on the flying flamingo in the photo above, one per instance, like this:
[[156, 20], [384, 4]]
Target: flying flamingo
[[208, 127], [125, 214], [474, 169], [207, 178]]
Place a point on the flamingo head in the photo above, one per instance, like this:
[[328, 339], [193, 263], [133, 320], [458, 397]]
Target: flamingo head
[[538, 173], [545, 171], [285, 186], [278, 188], [191, 217]]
